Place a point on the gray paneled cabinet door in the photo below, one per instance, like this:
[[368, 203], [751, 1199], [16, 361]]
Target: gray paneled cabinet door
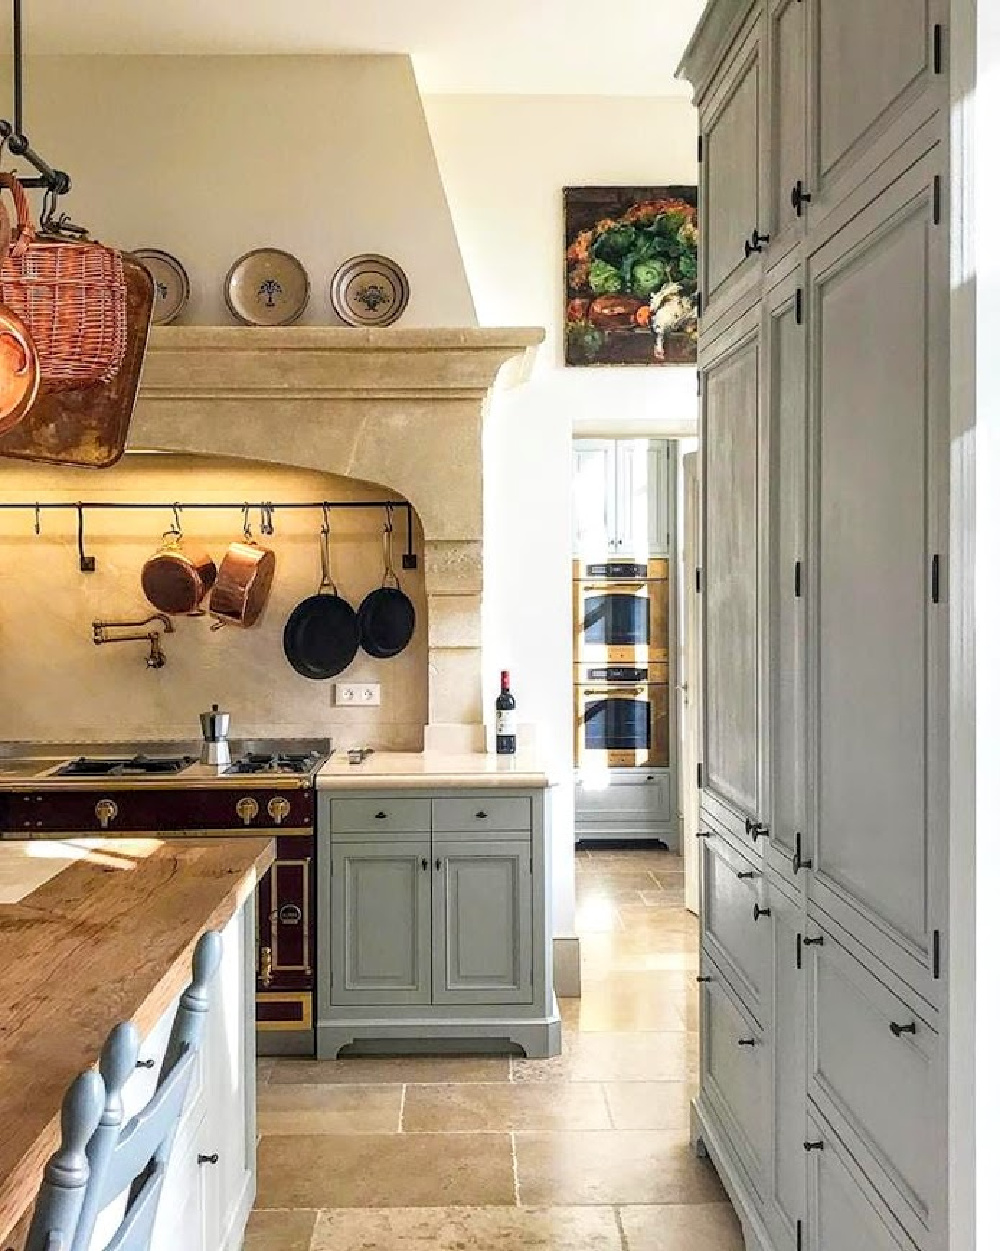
[[482, 921], [788, 194], [879, 300], [730, 419], [381, 907]]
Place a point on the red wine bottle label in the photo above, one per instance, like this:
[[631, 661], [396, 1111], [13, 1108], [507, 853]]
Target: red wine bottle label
[[507, 722]]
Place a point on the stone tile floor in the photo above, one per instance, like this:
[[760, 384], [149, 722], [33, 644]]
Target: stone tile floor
[[585, 1152]]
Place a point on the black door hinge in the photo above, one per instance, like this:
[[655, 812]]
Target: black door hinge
[[697, 580], [937, 954], [798, 579], [936, 579], [697, 775], [937, 199], [798, 951], [938, 48], [798, 306], [798, 1236], [701, 148]]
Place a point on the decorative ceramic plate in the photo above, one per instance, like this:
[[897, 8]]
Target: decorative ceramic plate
[[267, 287], [170, 283], [369, 290]]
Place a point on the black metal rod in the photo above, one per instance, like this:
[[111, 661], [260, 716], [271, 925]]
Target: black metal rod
[[18, 72], [153, 506]]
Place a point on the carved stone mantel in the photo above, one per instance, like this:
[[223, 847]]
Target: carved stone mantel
[[401, 408]]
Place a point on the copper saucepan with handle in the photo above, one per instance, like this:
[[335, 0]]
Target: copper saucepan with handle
[[244, 581], [178, 577], [20, 372]]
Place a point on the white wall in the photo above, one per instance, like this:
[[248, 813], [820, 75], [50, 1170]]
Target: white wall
[[504, 161], [207, 157]]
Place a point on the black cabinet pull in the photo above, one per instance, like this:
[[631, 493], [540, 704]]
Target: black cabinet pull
[[481, 816], [813, 1146], [145, 1064], [755, 243], [813, 942], [759, 912], [797, 861], [800, 197], [379, 816], [703, 834], [756, 829], [424, 863], [701, 978], [746, 1042], [209, 1159], [437, 863], [899, 1030], [746, 876]]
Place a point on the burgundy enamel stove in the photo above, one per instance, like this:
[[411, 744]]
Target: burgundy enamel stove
[[163, 790]]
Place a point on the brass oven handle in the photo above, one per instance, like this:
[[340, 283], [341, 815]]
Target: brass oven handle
[[623, 584], [615, 690], [278, 808], [266, 962], [105, 810], [247, 808]]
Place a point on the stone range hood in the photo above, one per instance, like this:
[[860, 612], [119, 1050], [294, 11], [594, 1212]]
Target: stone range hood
[[401, 408]]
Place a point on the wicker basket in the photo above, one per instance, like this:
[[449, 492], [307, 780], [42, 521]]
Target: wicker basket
[[71, 295]]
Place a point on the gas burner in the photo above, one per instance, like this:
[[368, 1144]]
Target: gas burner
[[123, 767], [299, 763]]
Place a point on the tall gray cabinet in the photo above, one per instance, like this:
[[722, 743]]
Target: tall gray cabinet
[[823, 365]]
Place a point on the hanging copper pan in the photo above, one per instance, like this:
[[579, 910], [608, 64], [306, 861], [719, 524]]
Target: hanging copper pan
[[178, 577], [243, 583], [19, 370]]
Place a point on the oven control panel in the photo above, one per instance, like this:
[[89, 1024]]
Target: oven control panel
[[616, 673], [618, 570]]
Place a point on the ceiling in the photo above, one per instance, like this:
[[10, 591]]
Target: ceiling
[[527, 47]]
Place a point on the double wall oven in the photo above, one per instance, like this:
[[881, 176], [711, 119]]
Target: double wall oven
[[164, 791], [622, 670]]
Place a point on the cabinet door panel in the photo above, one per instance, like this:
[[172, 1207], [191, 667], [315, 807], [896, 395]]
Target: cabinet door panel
[[787, 105], [872, 61], [380, 909], [787, 650], [730, 420], [482, 922], [731, 171], [733, 938], [643, 492], [872, 297], [594, 497]]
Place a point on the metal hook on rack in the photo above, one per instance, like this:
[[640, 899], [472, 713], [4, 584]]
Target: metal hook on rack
[[176, 510], [266, 517], [87, 563], [409, 556], [38, 518], [325, 525], [247, 532]]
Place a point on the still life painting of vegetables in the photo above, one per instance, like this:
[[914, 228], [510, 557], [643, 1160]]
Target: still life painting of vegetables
[[631, 275]]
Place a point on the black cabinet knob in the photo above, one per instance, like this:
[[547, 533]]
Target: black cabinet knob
[[379, 816], [746, 876], [755, 243], [900, 1030], [145, 1064], [703, 834], [759, 912], [813, 942], [797, 861], [800, 197], [746, 1042], [437, 863], [480, 816], [813, 1146], [424, 863], [702, 978], [209, 1159]]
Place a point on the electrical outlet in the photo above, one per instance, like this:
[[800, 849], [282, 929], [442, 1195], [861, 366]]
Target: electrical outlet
[[357, 694]]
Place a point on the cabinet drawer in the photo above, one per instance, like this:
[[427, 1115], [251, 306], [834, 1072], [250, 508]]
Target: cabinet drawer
[[734, 935], [377, 815], [635, 799], [734, 1072], [872, 1070], [467, 814], [844, 1210]]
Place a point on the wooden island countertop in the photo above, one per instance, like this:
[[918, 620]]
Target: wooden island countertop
[[108, 938]]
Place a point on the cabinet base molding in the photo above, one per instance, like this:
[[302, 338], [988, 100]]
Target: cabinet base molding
[[538, 1038], [567, 972], [708, 1139]]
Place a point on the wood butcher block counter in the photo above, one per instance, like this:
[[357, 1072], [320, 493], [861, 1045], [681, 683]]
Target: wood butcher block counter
[[108, 938]]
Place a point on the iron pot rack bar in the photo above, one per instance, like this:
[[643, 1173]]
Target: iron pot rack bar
[[265, 508]]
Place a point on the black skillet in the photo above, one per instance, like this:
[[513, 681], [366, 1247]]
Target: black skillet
[[386, 617], [322, 632]]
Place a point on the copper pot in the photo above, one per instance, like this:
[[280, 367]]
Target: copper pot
[[243, 584], [177, 577], [19, 370]]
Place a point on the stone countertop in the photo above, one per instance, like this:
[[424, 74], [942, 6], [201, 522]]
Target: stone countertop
[[107, 938], [431, 771]]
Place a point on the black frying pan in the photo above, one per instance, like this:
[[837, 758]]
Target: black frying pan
[[386, 617], [322, 632]]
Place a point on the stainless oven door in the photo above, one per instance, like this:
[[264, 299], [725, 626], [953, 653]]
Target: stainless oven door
[[618, 726]]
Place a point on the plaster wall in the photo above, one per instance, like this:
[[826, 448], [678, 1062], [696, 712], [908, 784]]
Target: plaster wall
[[504, 161], [55, 684], [207, 157]]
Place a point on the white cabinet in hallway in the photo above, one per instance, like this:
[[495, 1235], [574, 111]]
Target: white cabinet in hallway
[[622, 497], [825, 420]]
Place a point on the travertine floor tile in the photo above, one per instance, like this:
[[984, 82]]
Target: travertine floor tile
[[650, 1105], [371, 1070], [469, 1229], [630, 1002], [279, 1231], [384, 1170], [264, 1067], [495, 1107], [613, 1166], [300, 1109], [683, 1227], [652, 1056]]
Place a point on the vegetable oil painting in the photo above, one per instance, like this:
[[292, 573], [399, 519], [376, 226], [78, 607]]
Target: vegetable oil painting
[[631, 275]]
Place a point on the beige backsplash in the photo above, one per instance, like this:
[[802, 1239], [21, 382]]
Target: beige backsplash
[[55, 684]]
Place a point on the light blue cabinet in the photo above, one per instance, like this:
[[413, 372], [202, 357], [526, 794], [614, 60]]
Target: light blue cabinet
[[435, 921]]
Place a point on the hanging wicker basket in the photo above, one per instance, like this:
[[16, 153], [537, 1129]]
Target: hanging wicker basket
[[71, 295]]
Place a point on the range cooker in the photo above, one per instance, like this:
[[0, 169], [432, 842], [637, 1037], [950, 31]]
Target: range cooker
[[163, 790]]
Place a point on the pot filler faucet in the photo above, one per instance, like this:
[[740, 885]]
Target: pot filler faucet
[[156, 658]]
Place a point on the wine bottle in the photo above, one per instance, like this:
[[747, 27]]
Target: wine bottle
[[506, 718]]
